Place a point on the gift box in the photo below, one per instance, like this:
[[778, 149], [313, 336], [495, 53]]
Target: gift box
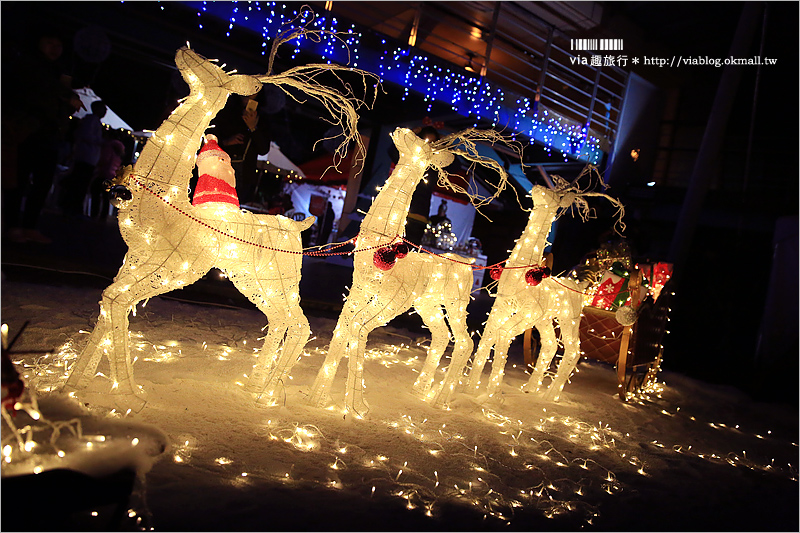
[[657, 275], [612, 289]]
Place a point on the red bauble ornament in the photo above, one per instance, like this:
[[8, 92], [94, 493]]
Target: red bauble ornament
[[384, 258], [401, 249], [495, 273], [546, 272], [534, 276]]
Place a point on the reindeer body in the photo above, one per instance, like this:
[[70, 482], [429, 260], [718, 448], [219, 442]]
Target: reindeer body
[[172, 244], [428, 283], [519, 306]]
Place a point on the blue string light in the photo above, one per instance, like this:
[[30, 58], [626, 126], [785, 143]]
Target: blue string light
[[436, 80]]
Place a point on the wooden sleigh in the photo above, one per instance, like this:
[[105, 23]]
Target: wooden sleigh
[[635, 350]]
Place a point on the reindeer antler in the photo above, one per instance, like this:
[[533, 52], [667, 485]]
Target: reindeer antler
[[341, 105], [564, 187], [464, 143]]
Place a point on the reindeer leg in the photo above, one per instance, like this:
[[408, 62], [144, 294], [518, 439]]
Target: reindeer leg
[[83, 369], [570, 333], [254, 289], [297, 332], [101, 338], [320, 396], [269, 354], [132, 286], [549, 343], [515, 326], [377, 313], [489, 339], [485, 345], [354, 392], [87, 362], [462, 349], [287, 323], [433, 317]]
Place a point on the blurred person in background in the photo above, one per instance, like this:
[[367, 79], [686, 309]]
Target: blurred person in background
[[85, 155], [39, 97]]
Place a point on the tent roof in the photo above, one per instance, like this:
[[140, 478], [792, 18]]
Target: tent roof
[[87, 96], [322, 170], [277, 162]]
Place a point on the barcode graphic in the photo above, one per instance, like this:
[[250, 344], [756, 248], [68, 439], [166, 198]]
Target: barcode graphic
[[595, 44]]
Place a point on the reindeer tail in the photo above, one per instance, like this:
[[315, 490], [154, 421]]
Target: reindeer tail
[[304, 224]]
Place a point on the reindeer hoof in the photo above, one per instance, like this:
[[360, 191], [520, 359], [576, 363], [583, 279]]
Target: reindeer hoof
[[421, 391], [131, 402], [256, 385], [359, 410], [551, 395], [323, 401]]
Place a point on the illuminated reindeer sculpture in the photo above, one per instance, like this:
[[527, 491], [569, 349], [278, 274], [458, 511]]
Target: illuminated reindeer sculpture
[[172, 243], [528, 296], [390, 278]]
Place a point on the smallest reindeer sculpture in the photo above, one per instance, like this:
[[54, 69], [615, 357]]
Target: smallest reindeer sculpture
[[528, 296]]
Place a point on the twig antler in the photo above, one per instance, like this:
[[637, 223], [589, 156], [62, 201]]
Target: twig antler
[[578, 196], [464, 144], [343, 104]]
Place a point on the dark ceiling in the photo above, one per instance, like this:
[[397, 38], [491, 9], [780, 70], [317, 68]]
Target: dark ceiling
[[139, 80]]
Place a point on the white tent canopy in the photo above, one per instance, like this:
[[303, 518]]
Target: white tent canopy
[[279, 163], [111, 119]]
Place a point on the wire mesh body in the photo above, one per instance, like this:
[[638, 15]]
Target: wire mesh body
[[520, 306], [172, 244]]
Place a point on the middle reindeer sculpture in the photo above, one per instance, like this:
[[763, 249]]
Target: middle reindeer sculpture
[[527, 296], [389, 278]]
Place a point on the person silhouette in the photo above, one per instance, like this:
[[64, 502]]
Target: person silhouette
[[85, 154], [111, 155], [244, 137], [47, 100]]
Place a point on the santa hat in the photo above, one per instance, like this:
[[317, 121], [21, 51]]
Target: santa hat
[[211, 148]]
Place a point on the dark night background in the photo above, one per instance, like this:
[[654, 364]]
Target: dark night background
[[723, 291]]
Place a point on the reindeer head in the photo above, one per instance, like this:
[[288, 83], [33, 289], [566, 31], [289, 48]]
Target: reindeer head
[[200, 72], [545, 197], [407, 142], [564, 195]]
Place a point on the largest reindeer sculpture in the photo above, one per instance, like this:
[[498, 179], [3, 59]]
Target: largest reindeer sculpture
[[389, 278], [528, 296], [172, 243]]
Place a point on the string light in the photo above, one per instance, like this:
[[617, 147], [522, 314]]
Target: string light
[[562, 467], [436, 80]]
